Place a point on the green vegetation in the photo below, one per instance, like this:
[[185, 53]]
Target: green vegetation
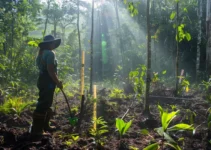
[[122, 126], [117, 93], [165, 130], [99, 132], [15, 105], [137, 79]]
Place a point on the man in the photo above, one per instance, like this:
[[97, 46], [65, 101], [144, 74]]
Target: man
[[47, 82]]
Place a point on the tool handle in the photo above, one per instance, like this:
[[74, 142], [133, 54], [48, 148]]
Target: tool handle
[[66, 101]]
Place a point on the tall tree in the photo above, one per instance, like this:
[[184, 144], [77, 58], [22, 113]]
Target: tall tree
[[78, 28], [91, 45], [68, 17], [199, 38], [148, 75], [55, 15], [119, 33], [177, 48], [46, 20]]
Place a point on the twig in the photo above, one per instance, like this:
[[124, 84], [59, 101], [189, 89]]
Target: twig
[[127, 111]]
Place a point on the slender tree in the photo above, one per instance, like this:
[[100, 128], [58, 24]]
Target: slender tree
[[177, 47], [119, 31], [148, 78], [78, 28], [199, 38], [55, 15], [46, 20], [91, 45]]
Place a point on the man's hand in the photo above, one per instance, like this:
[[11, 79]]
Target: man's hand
[[60, 85]]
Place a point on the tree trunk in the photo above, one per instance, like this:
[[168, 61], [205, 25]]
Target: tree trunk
[[148, 78], [5, 48], [54, 32], [46, 21], [155, 66], [91, 45], [120, 36], [63, 34], [12, 36], [208, 46], [177, 54], [199, 39], [79, 35]]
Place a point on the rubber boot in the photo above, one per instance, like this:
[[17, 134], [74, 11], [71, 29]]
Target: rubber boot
[[37, 131], [47, 126]]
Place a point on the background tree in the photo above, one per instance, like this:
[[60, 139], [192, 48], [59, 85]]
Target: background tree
[[91, 46], [55, 15], [46, 13], [148, 77], [177, 49]]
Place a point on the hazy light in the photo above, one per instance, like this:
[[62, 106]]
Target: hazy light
[[60, 1]]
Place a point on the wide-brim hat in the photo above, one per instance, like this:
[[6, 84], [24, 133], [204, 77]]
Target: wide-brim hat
[[49, 39]]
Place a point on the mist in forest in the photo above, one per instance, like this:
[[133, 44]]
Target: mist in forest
[[125, 39]]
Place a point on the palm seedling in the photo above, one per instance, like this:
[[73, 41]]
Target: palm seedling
[[164, 131]]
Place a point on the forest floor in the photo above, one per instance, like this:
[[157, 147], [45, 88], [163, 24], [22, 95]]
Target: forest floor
[[14, 130]]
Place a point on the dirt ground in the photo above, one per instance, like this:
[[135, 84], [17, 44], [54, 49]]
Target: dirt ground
[[14, 130]]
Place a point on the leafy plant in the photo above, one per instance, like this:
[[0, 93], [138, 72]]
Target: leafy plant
[[182, 34], [158, 80], [101, 129], [117, 78], [15, 105], [72, 138], [74, 110], [137, 79], [206, 84], [173, 107], [190, 115], [117, 93], [184, 85], [164, 131], [122, 126], [206, 89], [209, 118]]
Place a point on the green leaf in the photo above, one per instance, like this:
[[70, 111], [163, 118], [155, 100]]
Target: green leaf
[[173, 14], [167, 118], [144, 132], [185, 10], [120, 125], [160, 131], [160, 110], [168, 138], [127, 126], [188, 36], [173, 145], [181, 139], [2, 67], [181, 126], [164, 72], [33, 43], [75, 138], [133, 148], [154, 146]]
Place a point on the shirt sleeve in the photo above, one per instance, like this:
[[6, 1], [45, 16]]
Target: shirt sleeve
[[50, 58]]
